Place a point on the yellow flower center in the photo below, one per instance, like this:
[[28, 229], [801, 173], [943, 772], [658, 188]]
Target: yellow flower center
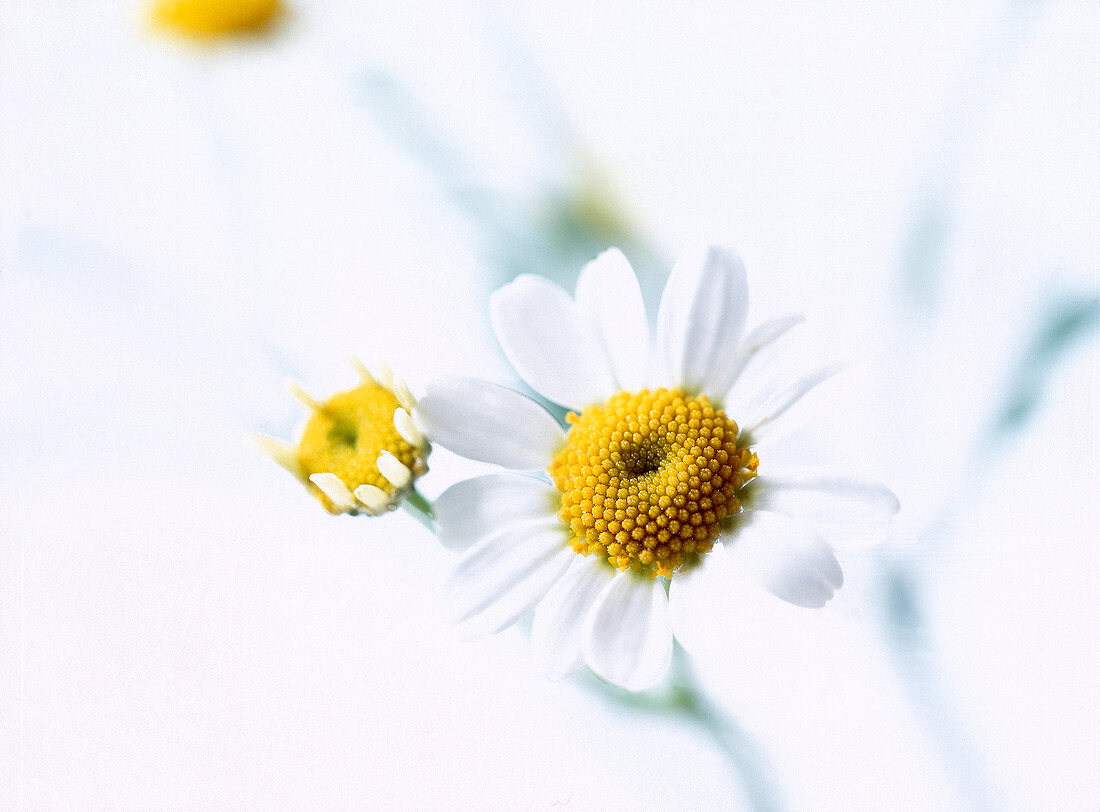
[[346, 436], [646, 479], [207, 18]]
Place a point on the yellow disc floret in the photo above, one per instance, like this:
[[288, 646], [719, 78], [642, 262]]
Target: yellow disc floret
[[646, 479], [346, 435], [210, 18]]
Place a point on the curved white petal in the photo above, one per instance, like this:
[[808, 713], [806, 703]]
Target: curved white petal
[[558, 628], [503, 576], [550, 345], [407, 428], [696, 595], [852, 513], [374, 499], [483, 421], [394, 470], [475, 508], [610, 299], [627, 640], [762, 423], [758, 339], [785, 559], [700, 319], [338, 493], [282, 453]]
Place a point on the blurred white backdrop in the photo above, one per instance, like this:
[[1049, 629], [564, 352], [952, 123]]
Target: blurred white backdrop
[[183, 227]]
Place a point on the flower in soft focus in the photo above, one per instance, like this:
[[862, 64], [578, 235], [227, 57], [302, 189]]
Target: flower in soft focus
[[653, 495], [212, 18], [359, 451]]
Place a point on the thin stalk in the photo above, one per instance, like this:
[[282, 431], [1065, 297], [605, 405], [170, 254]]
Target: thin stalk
[[741, 751], [684, 698], [420, 509]]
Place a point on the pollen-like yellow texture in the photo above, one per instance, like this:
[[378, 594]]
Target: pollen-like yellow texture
[[348, 433], [209, 18], [647, 478]]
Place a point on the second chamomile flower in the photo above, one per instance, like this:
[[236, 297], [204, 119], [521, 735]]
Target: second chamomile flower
[[653, 497], [359, 451]]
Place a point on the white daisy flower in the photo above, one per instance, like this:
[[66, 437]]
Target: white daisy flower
[[360, 451], [626, 520]]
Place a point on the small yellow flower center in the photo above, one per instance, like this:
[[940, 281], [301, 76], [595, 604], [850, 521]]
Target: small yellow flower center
[[208, 18], [646, 479], [348, 433]]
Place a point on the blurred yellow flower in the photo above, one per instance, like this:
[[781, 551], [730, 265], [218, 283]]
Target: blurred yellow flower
[[213, 18]]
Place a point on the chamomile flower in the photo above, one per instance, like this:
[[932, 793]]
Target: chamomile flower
[[359, 451], [617, 527]]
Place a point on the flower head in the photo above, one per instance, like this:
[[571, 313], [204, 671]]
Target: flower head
[[359, 451], [647, 478], [614, 528], [212, 18]]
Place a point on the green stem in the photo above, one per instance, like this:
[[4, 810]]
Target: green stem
[[684, 698], [420, 509], [741, 751]]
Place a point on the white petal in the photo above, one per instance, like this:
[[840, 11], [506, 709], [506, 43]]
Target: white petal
[[700, 320], [282, 453], [483, 506], [374, 499], [403, 394], [853, 513], [298, 392], [384, 375], [338, 493], [789, 562], [627, 639], [394, 470], [758, 339], [558, 628], [761, 423], [696, 594], [483, 421], [609, 297], [550, 345], [403, 423], [364, 373], [503, 576]]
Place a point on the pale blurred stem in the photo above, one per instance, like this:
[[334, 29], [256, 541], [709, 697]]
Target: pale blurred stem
[[684, 698], [741, 751], [923, 263], [420, 509], [927, 691], [1072, 319], [906, 632]]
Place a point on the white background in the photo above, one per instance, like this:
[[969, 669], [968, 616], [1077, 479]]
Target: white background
[[183, 228]]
